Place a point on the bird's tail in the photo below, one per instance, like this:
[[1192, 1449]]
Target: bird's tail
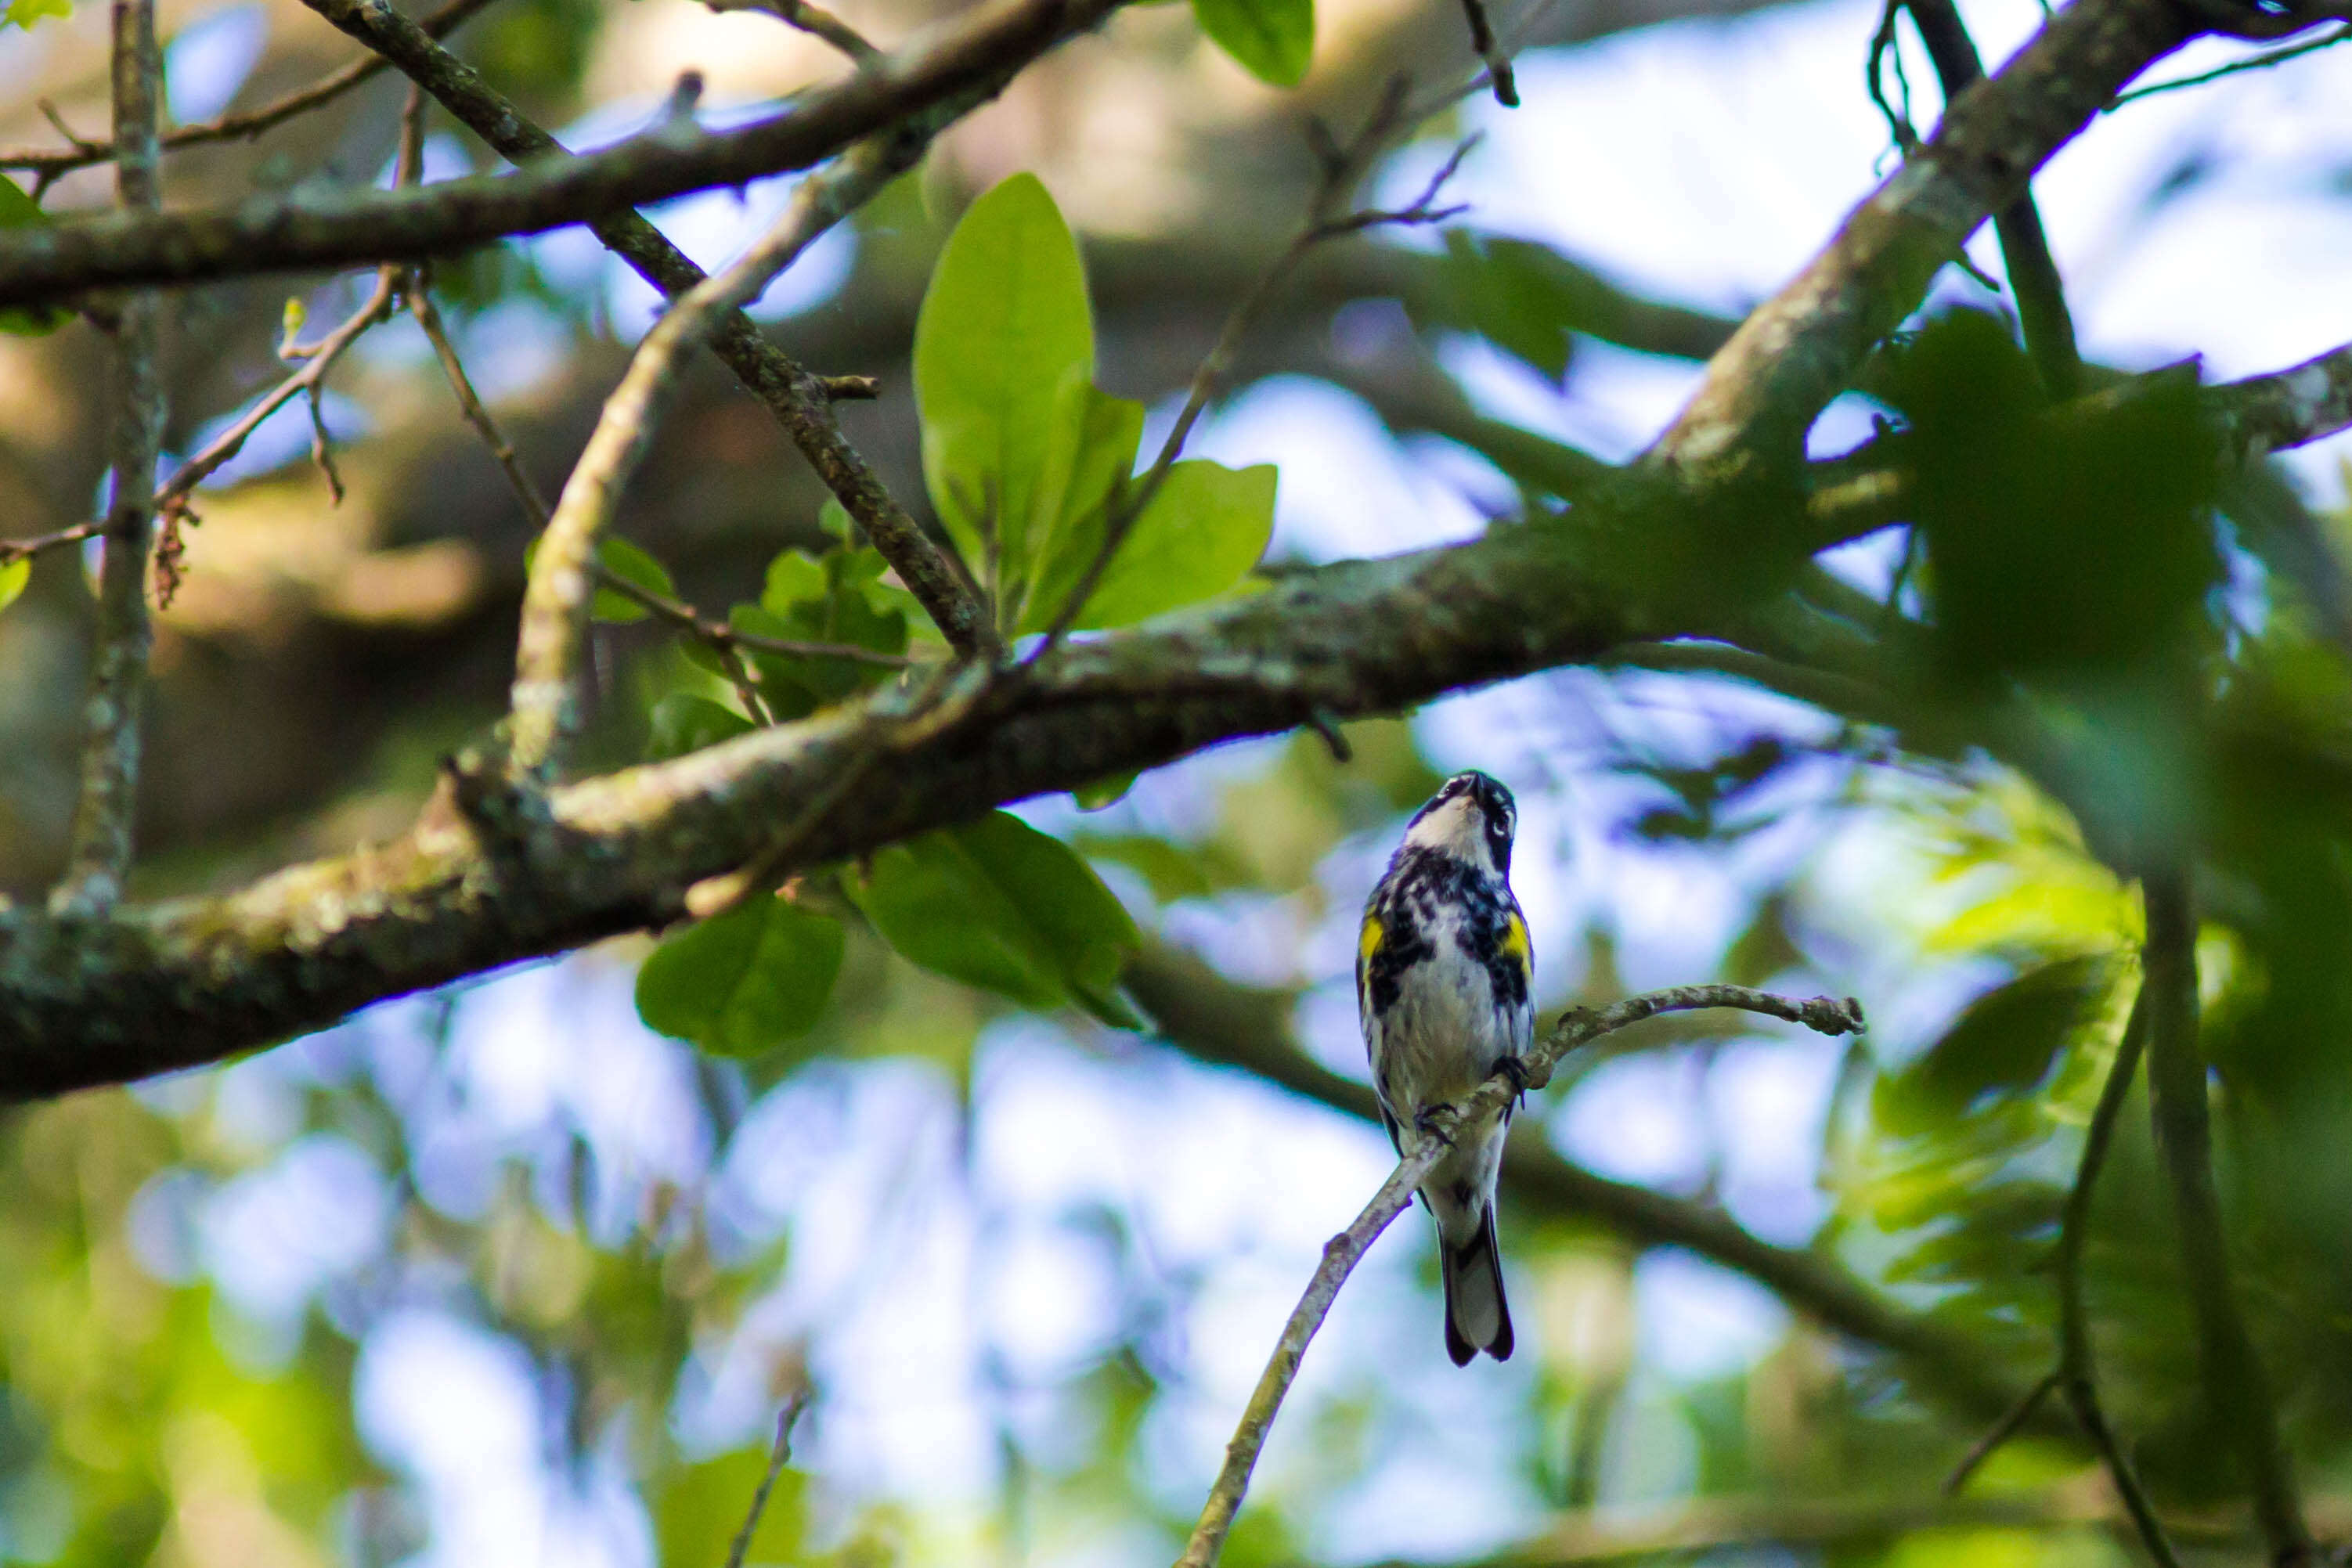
[[1476, 1316]]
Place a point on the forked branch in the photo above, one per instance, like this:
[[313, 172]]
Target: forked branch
[[801, 401], [545, 709]]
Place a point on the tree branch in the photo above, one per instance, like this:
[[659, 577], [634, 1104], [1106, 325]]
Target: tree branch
[[1800, 349], [801, 403], [779, 1454], [2032, 271], [2286, 408], [2234, 1375], [2078, 1373], [977, 51], [252, 123], [1580, 1026], [545, 711], [1212, 1019], [97, 856]]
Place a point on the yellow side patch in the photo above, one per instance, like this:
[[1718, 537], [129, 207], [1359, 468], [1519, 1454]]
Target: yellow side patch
[[1514, 939], [1369, 942]]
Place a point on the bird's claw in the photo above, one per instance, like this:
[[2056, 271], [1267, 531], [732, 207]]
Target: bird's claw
[[1425, 1123], [1514, 1069]]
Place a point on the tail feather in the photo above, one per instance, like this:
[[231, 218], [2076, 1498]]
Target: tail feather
[[1476, 1315]]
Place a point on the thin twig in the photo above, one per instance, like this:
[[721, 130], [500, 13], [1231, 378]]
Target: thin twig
[[2033, 280], [779, 1454], [2008, 1427], [2078, 1373], [813, 20], [230, 127], [799, 400], [98, 856], [2255, 63], [721, 634], [309, 382], [545, 709], [418, 288], [1579, 1026], [1343, 168], [2234, 1375], [317, 359], [1498, 64], [15, 550]]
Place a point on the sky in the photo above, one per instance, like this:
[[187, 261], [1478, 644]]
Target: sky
[[1702, 162]]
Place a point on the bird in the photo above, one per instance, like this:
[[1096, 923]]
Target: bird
[[1443, 965]]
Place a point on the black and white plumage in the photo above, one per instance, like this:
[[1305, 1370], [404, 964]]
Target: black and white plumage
[[1442, 973]]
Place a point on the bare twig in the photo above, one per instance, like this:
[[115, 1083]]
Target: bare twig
[[230, 127], [812, 19], [2255, 63], [801, 401], [779, 1454], [544, 711], [2011, 1423], [2234, 1375], [316, 359], [2078, 1373], [309, 382], [1497, 62], [13, 550], [1343, 167], [418, 289], [1580, 1026], [98, 856], [721, 634]]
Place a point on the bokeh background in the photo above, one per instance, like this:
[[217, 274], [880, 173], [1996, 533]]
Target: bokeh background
[[498, 1275]]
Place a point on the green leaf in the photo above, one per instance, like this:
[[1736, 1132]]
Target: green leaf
[[1203, 530], [1094, 442], [2003, 1042], [18, 210], [999, 905], [743, 981], [24, 13], [625, 559], [1004, 336], [701, 1507], [683, 722], [1273, 39], [13, 578], [837, 597]]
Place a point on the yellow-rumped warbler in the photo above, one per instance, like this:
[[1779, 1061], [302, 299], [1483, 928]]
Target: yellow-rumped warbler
[[1442, 983]]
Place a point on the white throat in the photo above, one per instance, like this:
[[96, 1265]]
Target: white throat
[[1457, 828]]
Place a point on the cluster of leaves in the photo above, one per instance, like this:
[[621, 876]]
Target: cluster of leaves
[[1030, 467]]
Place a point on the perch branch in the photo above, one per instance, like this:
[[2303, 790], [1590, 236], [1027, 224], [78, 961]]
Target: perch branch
[[1579, 1027]]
